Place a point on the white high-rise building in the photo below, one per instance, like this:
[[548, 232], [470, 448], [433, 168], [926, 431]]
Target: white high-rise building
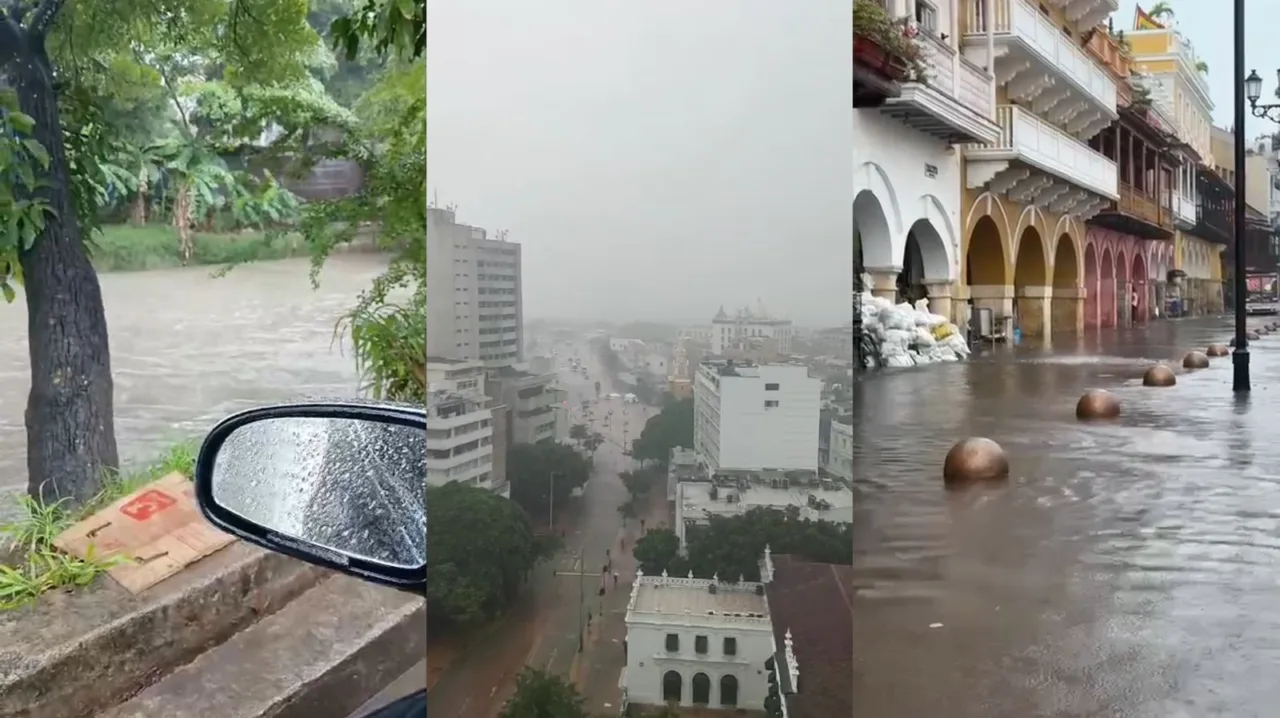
[[474, 305], [460, 425], [750, 417]]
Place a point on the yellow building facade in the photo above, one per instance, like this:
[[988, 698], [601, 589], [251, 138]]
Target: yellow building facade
[[1181, 88]]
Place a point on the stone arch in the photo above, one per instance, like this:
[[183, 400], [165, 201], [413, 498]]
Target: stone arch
[[1066, 266], [1031, 277], [672, 687], [1031, 263], [1122, 266], [1139, 278], [924, 258], [1090, 285], [701, 689], [728, 690], [941, 265], [1107, 289], [872, 235], [1066, 280], [871, 177], [985, 262]]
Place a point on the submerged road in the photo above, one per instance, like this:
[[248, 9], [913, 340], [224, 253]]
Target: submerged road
[[541, 629], [1129, 569]]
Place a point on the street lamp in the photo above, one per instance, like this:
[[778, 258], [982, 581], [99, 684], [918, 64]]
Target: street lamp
[[1252, 88], [1253, 91]]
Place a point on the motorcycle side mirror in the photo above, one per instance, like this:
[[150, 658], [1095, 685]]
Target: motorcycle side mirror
[[337, 484]]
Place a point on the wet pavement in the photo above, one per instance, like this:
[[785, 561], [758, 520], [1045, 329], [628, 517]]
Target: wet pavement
[[1129, 569], [541, 629]]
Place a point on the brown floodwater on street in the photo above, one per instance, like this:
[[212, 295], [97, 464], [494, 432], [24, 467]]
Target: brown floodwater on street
[[188, 348], [1129, 569]]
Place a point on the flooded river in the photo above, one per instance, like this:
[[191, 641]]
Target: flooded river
[[1129, 569], [188, 348]]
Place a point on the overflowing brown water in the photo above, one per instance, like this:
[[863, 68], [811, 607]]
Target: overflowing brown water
[[188, 348], [1129, 569]]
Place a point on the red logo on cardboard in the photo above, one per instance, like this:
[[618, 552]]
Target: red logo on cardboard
[[147, 504]]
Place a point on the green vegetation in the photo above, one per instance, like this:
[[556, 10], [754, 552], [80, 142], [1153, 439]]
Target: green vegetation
[[482, 550], [731, 546], [543, 695], [31, 566], [125, 247], [544, 472], [671, 428]]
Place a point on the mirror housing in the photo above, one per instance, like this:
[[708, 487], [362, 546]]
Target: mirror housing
[[294, 478]]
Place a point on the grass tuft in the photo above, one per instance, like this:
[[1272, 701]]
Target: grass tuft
[[35, 567]]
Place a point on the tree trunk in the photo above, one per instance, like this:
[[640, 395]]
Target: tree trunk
[[71, 440], [138, 213], [182, 220]]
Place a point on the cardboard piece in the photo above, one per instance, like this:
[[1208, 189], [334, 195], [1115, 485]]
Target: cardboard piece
[[159, 528]]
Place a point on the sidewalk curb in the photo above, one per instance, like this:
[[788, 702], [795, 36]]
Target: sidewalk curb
[[75, 654]]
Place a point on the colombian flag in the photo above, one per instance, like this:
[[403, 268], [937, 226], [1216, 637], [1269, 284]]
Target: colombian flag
[[1143, 21]]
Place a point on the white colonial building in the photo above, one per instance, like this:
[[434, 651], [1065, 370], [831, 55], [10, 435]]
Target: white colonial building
[[756, 417], [734, 493], [697, 642], [747, 327], [907, 183], [840, 448]]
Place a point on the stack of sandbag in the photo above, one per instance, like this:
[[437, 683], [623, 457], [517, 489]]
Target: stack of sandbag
[[911, 335]]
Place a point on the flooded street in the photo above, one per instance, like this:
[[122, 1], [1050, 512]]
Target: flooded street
[[1130, 569], [188, 348]]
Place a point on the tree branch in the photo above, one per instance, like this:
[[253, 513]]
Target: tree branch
[[44, 15], [12, 37]]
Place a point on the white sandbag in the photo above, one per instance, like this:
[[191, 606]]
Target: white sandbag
[[943, 354], [900, 361], [922, 305], [935, 320], [923, 338]]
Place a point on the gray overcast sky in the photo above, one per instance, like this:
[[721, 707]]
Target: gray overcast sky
[[655, 159], [1208, 24]]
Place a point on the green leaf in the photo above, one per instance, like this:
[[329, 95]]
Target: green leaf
[[9, 294], [37, 151], [22, 122]]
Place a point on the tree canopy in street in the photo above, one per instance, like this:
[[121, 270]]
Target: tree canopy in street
[[731, 546], [540, 694], [670, 428], [481, 548], [541, 472]]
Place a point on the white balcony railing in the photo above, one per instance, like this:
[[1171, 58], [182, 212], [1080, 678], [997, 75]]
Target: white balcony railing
[[1184, 210], [1049, 149], [1022, 21]]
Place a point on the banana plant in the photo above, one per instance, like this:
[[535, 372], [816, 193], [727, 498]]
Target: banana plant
[[201, 184]]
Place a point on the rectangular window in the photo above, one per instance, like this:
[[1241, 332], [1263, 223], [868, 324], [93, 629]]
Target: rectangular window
[[731, 646], [927, 17], [770, 404], [770, 387], [700, 645], [673, 642]]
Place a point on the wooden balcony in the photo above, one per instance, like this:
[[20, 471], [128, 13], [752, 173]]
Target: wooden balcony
[[1138, 214]]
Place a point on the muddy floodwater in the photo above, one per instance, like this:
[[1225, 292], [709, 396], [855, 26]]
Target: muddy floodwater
[[1129, 569], [188, 348]]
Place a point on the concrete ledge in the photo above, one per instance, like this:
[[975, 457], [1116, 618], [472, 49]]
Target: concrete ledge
[[324, 654], [77, 653]]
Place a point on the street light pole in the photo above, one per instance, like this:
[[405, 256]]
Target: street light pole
[[1240, 357], [582, 572]]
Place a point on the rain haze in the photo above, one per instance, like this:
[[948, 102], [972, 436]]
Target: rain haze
[[654, 160]]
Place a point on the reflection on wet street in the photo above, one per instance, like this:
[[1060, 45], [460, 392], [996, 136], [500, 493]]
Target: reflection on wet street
[[188, 349], [1129, 568]]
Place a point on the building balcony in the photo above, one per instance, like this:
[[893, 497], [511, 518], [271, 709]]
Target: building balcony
[[1042, 68], [447, 464], [872, 81], [1137, 213], [458, 439], [955, 101], [1035, 162], [1105, 48], [1184, 212]]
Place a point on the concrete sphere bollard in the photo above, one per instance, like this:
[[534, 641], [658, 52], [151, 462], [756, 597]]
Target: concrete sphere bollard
[[1097, 404], [1251, 336], [1159, 375], [1217, 350], [974, 460], [1195, 360]]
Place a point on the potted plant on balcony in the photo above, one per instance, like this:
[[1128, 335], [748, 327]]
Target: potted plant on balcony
[[884, 44]]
